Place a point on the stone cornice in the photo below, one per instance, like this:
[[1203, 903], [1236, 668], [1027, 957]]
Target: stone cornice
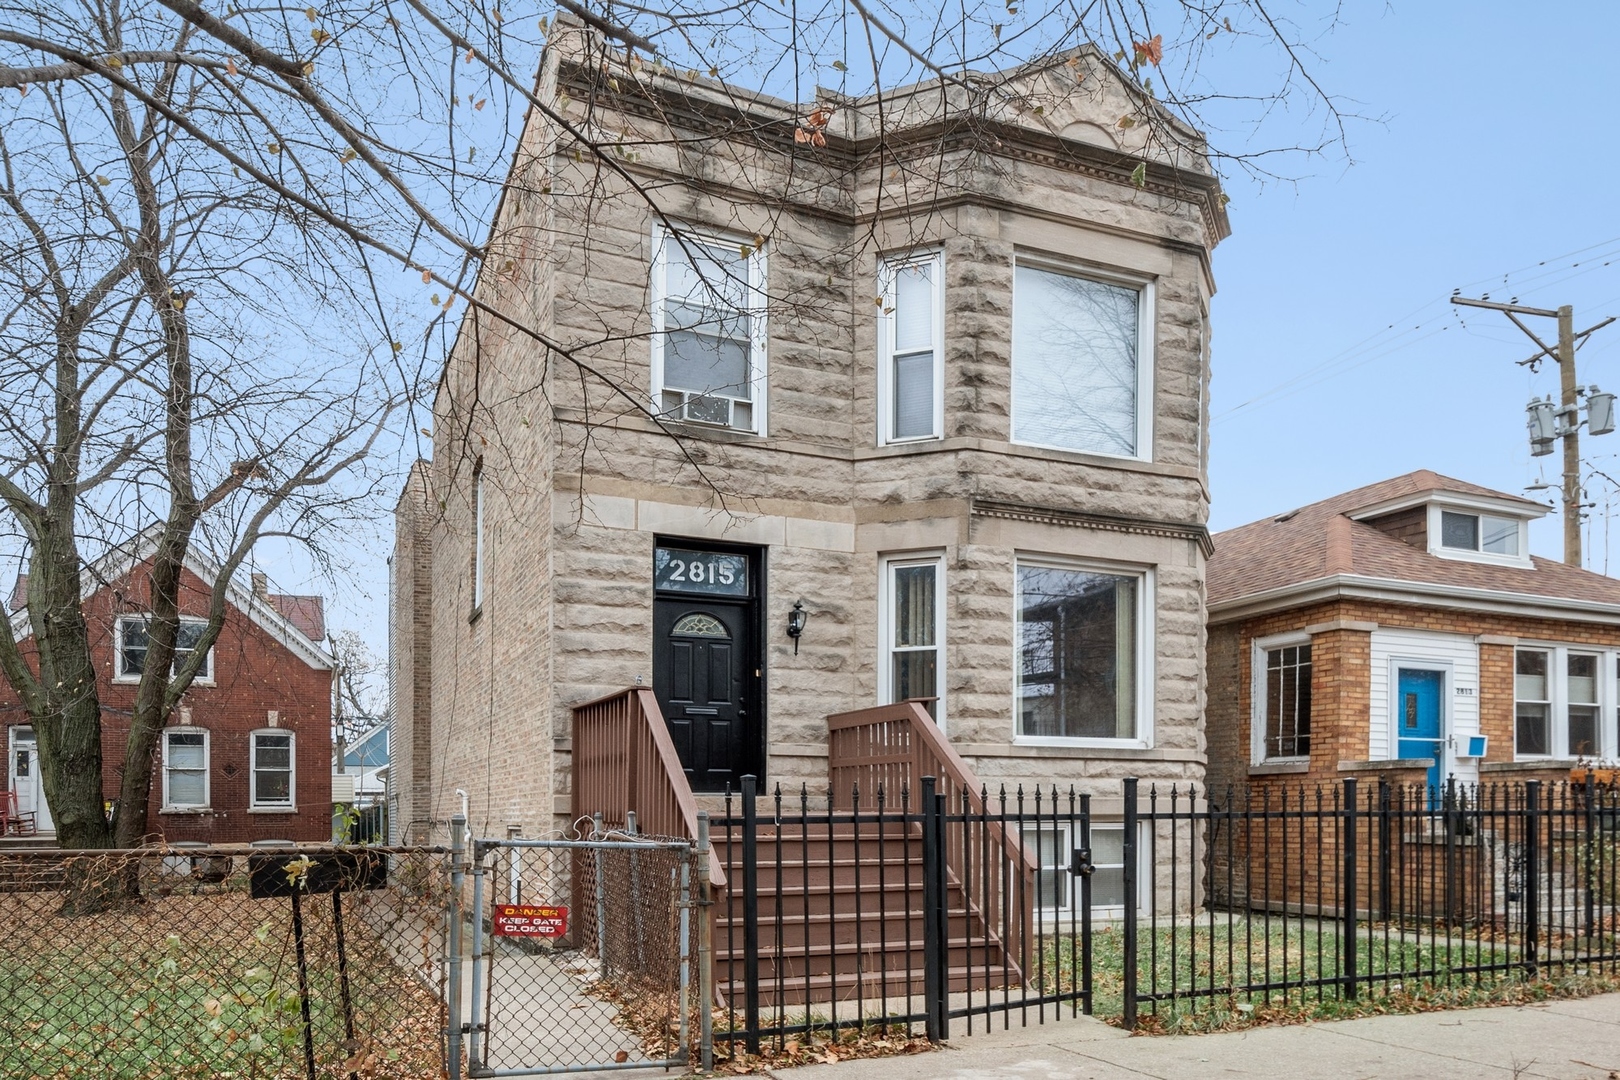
[[1178, 530]]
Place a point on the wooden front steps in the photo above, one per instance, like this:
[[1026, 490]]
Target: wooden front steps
[[847, 919]]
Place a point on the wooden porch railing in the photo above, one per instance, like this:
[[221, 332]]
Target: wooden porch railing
[[894, 747], [624, 760]]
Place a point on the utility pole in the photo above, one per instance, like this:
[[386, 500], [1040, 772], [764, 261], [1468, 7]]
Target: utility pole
[[1564, 422]]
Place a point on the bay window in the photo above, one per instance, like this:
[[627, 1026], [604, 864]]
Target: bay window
[[1561, 703], [1079, 653], [913, 632], [708, 341], [911, 401]]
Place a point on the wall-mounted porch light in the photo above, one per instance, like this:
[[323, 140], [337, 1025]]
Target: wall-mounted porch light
[[795, 625]]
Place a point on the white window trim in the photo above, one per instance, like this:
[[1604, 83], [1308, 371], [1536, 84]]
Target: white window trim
[[1257, 694], [1145, 368], [1461, 555], [888, 563], [207, 769], [888, 270], [119, 675], [291, 805], [1147, 606], [478, 542], [1558, 696], [756, 261]]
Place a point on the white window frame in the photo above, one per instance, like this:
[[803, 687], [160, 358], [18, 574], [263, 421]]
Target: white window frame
[[888, 270], [1065, 854], [207, 769], [886, 650], [1558, 696], [1146, 607], [478, 542], [756, 260], [1438, 508], [121, 676], [1145, 367], [1258, 719], [291, 804]]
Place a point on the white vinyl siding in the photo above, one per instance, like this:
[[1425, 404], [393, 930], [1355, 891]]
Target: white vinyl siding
[[911, 329], [1458, 655], [708, 340]]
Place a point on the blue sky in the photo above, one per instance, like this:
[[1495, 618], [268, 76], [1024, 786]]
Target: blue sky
[[1497, 153]]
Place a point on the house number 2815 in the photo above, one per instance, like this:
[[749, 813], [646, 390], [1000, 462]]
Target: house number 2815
[[710, 572]]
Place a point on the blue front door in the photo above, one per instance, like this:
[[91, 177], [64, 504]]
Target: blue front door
[[1417, 717]]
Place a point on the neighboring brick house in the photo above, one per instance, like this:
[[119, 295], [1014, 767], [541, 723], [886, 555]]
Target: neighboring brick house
[[247, 754], [993, 503], [1405, 630]]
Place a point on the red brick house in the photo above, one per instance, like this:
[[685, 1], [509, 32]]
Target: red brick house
[[246, 755], [1404, 629]]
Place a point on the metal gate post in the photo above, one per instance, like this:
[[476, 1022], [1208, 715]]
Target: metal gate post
[[1532, 875], [1348, 945], [933, 977], [751, 915], [458, 852], [474, 1013], [705, 948], [1085, 904], [1129, 940]]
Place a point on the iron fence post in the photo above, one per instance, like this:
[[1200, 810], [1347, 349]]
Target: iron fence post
[[597, 832], [1348, 935], [1589, 857], [1129, 941], [750, 791], [458, 854], [942, 918], [1532, 874], [932, 991], [1085, 903], [1385, 848], [705, 948]]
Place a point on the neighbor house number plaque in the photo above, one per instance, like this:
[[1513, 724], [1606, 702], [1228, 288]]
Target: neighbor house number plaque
[[712, 573]]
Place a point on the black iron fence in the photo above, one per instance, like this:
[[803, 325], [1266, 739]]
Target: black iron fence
[[1285, 896], [200, 962]]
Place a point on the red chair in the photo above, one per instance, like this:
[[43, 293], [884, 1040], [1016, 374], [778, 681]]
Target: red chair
[[12, 821]]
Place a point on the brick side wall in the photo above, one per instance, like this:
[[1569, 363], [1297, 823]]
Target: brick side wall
[[254, 674], [1408, 526]]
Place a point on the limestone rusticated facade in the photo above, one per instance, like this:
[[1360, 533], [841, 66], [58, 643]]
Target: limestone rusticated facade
[[577, 483]]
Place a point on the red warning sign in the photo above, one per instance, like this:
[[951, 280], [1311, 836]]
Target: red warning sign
[[531, 920]]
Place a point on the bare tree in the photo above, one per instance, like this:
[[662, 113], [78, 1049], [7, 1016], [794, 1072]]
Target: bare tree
[[234, 242]]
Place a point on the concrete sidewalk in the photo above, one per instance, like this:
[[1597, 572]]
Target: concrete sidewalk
[[1568, 1040]]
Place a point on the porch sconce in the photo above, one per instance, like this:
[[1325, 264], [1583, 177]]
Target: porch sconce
[[795, 625]]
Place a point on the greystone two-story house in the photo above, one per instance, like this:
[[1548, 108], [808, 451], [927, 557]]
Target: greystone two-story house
[[924, 380]]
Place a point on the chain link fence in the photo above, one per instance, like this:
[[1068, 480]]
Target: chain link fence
[[223, 962], [586, 955]]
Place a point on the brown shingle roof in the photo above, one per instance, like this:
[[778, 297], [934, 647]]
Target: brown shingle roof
[[1321, 541]]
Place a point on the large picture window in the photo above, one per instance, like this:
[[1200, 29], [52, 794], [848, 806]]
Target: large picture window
[[913, 631], [708, 359], [134, 640], [185, 768], [1081, 363], [1079, 655], [910, 388]]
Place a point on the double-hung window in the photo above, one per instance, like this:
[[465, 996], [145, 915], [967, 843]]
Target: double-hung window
[[1082, 362], [1281, 716], [913, 632], [911, 399], [272, 767], [1558, 706], [134, 641], [708, 341], [185, 768], [1080, 658]]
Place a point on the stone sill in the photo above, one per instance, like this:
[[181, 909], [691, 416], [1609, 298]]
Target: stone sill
[[1382, 766], [1279, 768], [1529, 765]]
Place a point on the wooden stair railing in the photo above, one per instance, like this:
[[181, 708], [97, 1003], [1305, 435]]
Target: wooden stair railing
[[624, 761], [894, 747]]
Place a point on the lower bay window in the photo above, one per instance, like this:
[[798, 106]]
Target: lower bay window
[[1562, 703], [1080, 673]]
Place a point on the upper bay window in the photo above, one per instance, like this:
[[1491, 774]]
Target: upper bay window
[[134, 641], [911, 399], [708, 342], [1080, 672], [1082, 362]]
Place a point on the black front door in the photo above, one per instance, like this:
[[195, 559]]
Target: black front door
[[705, 661]]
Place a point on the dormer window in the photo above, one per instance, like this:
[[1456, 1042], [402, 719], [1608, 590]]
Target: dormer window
[[1479, 533]]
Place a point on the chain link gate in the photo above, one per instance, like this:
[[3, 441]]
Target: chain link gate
[[577, 955]]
